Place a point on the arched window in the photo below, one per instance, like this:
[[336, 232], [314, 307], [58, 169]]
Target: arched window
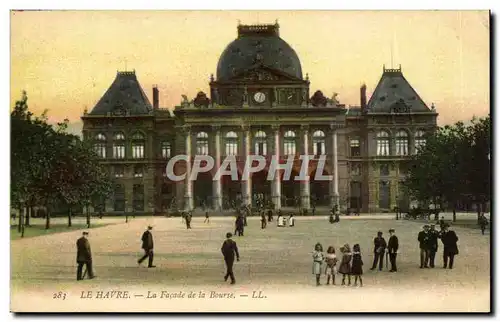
[[383, 145], [231, 143], [401, 143], [319, 143], [260, 143], [138, 144], [119, 146], [202, 143], [166, 150], [419, 140], [100, 145], [289, 143]]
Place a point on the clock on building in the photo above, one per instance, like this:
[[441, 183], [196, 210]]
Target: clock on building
[[259, 97], [292, 97]]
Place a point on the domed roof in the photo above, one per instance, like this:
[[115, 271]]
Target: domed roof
[[258, 44]]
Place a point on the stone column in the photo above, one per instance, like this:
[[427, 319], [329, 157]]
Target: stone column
[[305, 184], [334, 187], [217, 185], [188, 193], [246, 188], [276, 186]]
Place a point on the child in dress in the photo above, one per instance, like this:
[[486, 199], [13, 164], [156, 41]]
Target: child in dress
[[345, 264], [357, 265], [317, 261], [331, 265]]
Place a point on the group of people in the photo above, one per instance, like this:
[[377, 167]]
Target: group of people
[[351, 264], [84, 253], [281, 221], [390, 250], [428, 240]]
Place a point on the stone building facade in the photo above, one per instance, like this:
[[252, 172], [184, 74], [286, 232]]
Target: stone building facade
[[259, 103]]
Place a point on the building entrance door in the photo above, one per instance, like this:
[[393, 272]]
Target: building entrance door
[[384, 201]]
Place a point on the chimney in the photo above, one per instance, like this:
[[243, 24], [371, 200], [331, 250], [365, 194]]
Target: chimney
[[156, 97], [363, 97]]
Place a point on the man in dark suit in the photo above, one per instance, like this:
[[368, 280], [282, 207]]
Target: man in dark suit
[[423, 239], [449, 239], [189, 217], [441, 223], [392, 248], [263, 222], [147, 245], [379, 250], [229, 249], [483, 222], [433, 244], [83, 257], [239, 227]]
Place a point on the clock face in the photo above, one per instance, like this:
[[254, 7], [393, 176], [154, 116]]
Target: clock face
[[291, 97], [259, 97]]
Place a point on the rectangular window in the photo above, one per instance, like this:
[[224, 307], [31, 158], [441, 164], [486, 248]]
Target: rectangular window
[[319, 148], [384, 169], [202, 147], [383, 147], [231, 148], [355, 148], [403, 169], [119, 151], [100, 150], [356, 169], [260, 148], [138, 151], [166, 150], [289, 148], [138, 171], [119, 171], [419, 144], [401, 147]]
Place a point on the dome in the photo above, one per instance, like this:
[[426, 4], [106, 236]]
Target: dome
[[258, 44]]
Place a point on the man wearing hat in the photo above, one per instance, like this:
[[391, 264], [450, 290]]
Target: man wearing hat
[[147, 245], [392, 249], [379, 250], [449, 239], [83, 256], [423, 238], [433, 244], [229, 249]]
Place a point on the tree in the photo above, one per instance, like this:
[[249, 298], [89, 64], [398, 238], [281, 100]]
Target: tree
[[50, 166], [478, 174], [453, 166]]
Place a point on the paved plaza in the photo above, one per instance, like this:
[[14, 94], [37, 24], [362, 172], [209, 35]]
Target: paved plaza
[[274, 273]]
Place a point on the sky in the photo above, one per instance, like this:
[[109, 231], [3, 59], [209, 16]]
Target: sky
[[66, 60]]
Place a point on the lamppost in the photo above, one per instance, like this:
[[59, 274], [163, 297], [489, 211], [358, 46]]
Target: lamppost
[[87, 204], [397, 207], [126, 213], [21, 218]]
